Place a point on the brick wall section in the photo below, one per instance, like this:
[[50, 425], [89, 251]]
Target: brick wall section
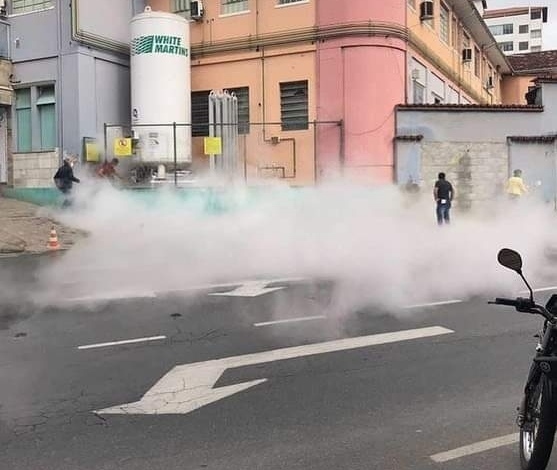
[[478, 171], [34, 170]]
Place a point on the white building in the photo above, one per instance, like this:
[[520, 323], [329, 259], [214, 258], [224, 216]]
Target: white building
[[517, 30]]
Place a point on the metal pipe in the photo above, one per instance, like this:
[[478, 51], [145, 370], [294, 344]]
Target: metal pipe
[[106, 141], [342, 156], [175, 155], [315, 170]]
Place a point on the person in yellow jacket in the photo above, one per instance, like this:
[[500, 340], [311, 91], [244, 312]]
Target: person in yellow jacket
[[515, 185]]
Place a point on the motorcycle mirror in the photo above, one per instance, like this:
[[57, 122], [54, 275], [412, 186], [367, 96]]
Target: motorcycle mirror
[[510, 259]]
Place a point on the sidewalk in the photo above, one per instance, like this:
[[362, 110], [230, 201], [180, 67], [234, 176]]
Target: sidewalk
[[24, 231]]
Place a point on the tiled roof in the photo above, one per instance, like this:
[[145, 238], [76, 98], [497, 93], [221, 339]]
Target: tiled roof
[[533, 61], [501, 12], [471, 107]]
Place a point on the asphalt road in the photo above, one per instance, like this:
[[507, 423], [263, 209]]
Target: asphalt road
[[383, 406]]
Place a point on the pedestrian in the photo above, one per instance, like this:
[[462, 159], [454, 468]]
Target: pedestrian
[[64, 180], [443, 194], [515, 186], [108, 170]]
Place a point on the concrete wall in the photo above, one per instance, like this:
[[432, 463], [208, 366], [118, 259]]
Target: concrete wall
[[478, 171], [473, 148], [35, 170]]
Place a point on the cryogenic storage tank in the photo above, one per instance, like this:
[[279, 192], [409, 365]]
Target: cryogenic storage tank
[[160, 85]]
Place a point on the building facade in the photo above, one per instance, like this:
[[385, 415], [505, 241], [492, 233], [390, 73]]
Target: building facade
[[520, 88], [70, 75], [517, 30], [320, 83]]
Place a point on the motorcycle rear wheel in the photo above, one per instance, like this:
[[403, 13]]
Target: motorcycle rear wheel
[[538, 431]]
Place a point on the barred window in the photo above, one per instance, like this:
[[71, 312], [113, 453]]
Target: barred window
[[234, 6], [25, 6], [294, 105], [444, 23]]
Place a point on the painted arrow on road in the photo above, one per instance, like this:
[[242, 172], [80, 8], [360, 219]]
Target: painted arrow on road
[[190, 386], [250, 289]]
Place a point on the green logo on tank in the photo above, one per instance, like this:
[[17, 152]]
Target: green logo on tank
[[158, 44]]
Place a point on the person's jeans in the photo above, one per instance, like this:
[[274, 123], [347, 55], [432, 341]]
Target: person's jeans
[[443, 212]]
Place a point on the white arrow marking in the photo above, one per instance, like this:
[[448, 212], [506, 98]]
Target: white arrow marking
[[250, 289], [190, 386]]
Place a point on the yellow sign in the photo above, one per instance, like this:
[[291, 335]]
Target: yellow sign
[[92, 152], [122, 147], [212, 145]]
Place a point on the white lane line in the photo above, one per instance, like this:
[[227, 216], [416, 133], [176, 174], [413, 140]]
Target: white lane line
[[475, 448], [290, 320], [125, 341], [115, 296], [435, 304], [540, 289]]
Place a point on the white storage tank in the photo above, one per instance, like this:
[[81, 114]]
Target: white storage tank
[[160, 85]]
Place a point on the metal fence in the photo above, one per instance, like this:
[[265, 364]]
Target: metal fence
[[249, 151]]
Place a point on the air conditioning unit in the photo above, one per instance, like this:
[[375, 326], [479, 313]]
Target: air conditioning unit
[[489, 83], [466, 55], [426, 10], [196, 10], [415, 74]]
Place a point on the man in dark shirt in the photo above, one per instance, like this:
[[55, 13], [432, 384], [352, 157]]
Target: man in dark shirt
[[64, 179], [443, 194]]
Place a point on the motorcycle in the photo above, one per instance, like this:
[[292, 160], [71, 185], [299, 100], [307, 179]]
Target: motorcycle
[[537, 413]]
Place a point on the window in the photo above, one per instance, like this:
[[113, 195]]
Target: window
[[294, 113], [466, 41], [523, 46], [500, 29], [535, 48], [47, 117], [419, 93], [25, 6], [444, 18], [35, 115], [506, 46], [535, 14], [180, 6], [242, 94], [536, 33], [436, 98], [454, 33], [200, 111], [23, 119], [476, 61], [233, 6], [523, 29]]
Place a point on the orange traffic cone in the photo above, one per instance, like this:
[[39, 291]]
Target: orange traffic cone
[[53, 240]]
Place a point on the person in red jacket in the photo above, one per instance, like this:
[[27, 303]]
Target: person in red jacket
[[108, 170]]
